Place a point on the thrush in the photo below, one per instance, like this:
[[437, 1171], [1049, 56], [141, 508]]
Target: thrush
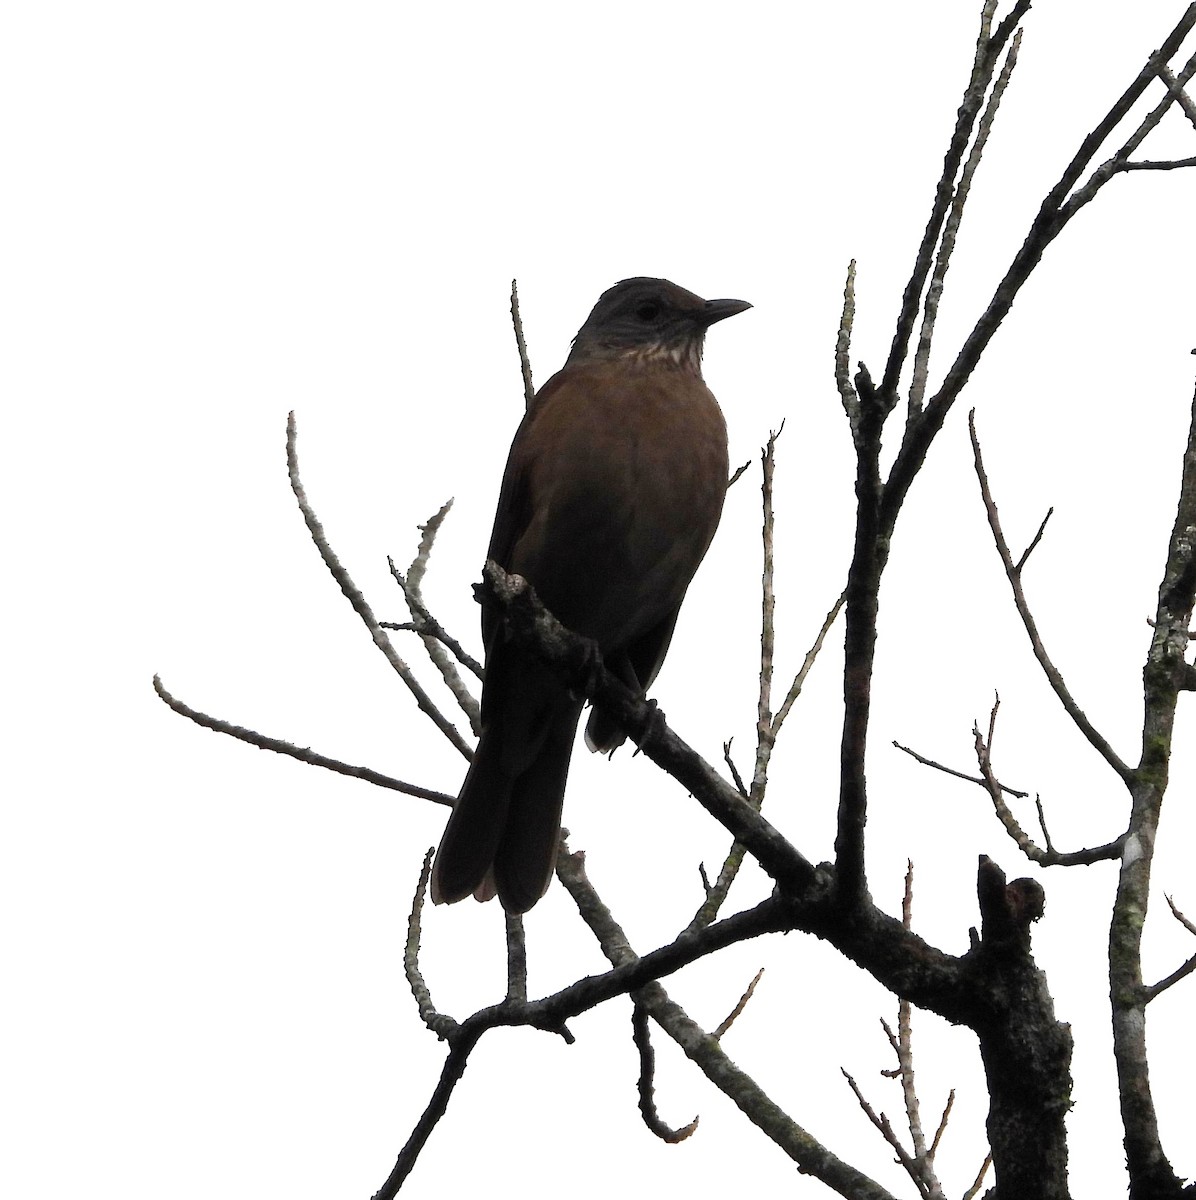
[[613, 490]]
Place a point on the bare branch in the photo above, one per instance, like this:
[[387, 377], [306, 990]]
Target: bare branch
[[435, 637], [764, 740], [938, 766], [988, 48], [1073, 710], [525, 366], [946, 244], [360, 605], [450, 1075], [979, 1181], [516, 958], [811, 1156], [734, 769], [646, 1085], [440, 1024], [1053, 214], [1021, 562], [847, 393], [942, 1125], [435, 640], [1163, 676], [1176, 89], [1179, 973], [1121, 159], [1190, 926], [1166, 164], [729, 1020], [739, 470], [886, 1130], [800, 678], [302, 753]]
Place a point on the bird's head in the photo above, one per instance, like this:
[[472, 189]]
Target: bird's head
[[650, 319]]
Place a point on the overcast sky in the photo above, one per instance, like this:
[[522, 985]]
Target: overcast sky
[[218, 213]]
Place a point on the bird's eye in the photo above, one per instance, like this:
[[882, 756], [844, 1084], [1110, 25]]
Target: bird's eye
[[649, 311]]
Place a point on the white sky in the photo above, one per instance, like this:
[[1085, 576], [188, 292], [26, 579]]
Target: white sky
[[216, 213]]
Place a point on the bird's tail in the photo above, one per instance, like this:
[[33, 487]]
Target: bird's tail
[[475, 829], [526, 855]]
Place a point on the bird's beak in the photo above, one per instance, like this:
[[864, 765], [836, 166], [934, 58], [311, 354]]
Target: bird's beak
[[716, 310]]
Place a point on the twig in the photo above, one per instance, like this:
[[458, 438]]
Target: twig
[[1053, 215], [806, 1151], [1021, 562], [938, 766], [799, 679], [735, 775], [1073, 710], [1179, 973], [516, 958], [525, 366], [302, 753], [946, 244], [988, 47], [942, 1126], [435, 641], [886, 1129], [979, 1181], [729, 1020], [646, 1081], [1190, 926], [360, 605], [739, 470], [439, 1023], [1121, 161], [847, 393]]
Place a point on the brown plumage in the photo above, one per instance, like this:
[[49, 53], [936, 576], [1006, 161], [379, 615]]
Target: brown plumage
[[613, 490]]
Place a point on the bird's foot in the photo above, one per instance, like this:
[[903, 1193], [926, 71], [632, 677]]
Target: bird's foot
[[654, 726]]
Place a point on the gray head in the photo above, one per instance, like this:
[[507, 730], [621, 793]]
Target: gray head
[[649, 319]]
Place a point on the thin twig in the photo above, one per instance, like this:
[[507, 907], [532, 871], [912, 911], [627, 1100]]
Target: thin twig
[[1190, 926], [988, 47], [1050, 857], [886, 1129], [768, 603], [1073, 710], [525, 366], [847, 392], [938, 766], [1176, 88], [942, 1126], [442, 1025], [951, 227], [799, 679], [361, 606], [302, 753], [434, 636], [979, 1180], [516, 958], [735, 775], [806, 1151], [1179, 973], [1021, 562], [1053, 215], [646, 1081], [730, 1018]]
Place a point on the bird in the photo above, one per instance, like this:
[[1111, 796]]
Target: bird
[[612, 492]]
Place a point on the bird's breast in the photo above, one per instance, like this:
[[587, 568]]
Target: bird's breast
[[625, 471]]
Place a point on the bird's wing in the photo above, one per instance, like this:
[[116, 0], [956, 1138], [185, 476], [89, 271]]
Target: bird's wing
[[514, 510]]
